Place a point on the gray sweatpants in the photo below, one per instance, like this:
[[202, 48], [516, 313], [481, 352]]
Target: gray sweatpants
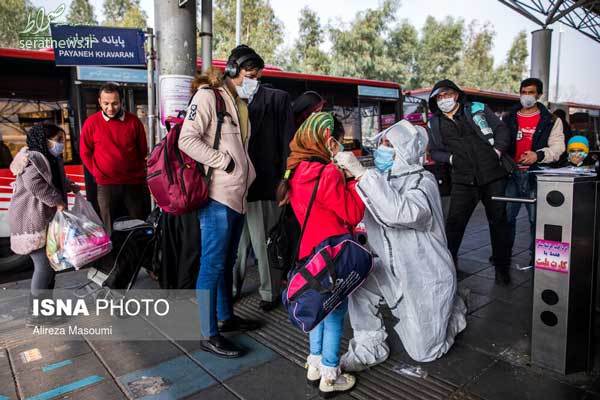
[[261, 217], [43, 274]]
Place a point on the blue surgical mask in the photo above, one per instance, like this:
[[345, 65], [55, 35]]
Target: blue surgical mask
[[384, 158], [57, 148]]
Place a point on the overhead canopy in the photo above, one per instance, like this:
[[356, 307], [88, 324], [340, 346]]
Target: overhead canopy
[[582, 15]]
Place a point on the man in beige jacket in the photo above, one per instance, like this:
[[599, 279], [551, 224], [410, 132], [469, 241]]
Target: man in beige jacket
[[537, 139], [222, 218]]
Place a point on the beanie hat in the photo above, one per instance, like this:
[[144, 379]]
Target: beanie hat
[[578, 143]]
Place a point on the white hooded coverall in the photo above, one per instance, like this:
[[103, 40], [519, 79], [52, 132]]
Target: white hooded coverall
[[414, 272]]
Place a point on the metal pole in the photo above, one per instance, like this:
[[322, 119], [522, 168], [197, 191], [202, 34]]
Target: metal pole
[[560, 32], [541, 43], [206, 34], [150, 57], [238, 23], [175, 28]]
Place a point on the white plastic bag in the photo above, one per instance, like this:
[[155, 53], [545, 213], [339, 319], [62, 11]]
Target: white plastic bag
[[76, 238]]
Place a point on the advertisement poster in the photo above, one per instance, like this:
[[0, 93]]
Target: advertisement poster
[[552, 256], [175, 93]]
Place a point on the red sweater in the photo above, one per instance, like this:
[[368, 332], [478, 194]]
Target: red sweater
[[114, 151], [337, 208]]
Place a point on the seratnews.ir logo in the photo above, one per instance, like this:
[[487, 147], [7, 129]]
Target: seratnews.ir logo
[[36, 35]]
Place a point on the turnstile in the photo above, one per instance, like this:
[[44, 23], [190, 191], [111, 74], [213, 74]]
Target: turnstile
[[565, 272], [566, 267]]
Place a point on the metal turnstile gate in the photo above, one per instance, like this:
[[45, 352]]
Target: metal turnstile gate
[[565, 271]]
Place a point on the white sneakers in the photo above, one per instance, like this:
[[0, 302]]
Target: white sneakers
[[330, 380]]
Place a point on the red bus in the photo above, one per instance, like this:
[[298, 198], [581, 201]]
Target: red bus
[[34, 90]]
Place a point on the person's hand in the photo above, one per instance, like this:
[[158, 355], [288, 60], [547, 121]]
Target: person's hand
[[528, 158], [60, 207], [348, 161], [285, 200]]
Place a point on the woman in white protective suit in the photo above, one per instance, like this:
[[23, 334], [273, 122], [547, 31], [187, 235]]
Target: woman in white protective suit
[[414, 273]]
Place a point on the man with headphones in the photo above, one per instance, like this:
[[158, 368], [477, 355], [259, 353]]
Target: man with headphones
[[272, 121], [113, 149]]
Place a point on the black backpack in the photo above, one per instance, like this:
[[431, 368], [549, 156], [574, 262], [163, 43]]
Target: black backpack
[[282, 241]]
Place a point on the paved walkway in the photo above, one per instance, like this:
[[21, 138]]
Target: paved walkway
[[490, 360]]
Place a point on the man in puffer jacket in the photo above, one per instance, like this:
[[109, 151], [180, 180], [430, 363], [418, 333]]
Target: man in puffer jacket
[[414, 272]]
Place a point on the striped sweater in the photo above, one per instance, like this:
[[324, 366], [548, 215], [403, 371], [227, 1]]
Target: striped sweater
[[33, 202]]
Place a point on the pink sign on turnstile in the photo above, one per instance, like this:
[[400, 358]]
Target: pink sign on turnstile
[[552, 256]]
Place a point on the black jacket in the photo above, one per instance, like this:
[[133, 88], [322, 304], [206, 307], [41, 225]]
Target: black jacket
[[541, 135], [474, 161], [272, 124]]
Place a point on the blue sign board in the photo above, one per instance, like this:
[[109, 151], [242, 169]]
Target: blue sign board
[[112, 74], [93, 45], [374, 91]]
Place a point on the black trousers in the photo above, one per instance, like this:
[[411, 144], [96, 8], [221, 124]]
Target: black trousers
[[464, 199]]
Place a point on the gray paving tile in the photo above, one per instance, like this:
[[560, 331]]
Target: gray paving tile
[[489, 336], [49, 349], [82, 368], [516, 315], [503, 381], [279, 379], [106, 390], [216, 392], [518, 277], [471, 266], [487, 287], [459, 366], [129, 356], [475, 301]]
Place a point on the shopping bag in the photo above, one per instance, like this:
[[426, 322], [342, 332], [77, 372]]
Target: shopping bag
[[76, 238]]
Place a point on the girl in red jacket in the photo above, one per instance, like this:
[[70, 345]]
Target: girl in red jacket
[[336, 210]]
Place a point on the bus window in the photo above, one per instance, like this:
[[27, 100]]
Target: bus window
[[369, 120], [19, 115]]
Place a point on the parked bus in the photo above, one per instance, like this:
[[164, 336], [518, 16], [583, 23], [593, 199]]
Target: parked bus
[[33, 90]]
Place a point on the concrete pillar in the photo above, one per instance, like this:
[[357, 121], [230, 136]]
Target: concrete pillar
[[541, 44]]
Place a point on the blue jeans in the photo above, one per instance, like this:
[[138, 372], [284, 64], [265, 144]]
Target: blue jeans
[[220, 231], [325, 338], [521, 184]]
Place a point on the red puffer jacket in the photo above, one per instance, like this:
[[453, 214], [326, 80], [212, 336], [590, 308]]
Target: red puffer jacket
[[337, 208]]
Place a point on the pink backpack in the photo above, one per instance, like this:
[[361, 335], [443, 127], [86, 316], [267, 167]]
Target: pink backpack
[[177, 182]]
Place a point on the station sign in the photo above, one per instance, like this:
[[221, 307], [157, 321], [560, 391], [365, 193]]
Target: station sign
[[374, 91], [112, 74], [94, 45]]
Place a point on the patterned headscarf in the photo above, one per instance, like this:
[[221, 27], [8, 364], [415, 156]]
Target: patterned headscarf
[[37, 140], [310, 139]]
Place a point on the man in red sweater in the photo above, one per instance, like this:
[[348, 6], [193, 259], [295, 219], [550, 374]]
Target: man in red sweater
[[114, 149]]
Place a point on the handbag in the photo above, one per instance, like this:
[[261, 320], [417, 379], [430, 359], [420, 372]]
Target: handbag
[[319, 283]]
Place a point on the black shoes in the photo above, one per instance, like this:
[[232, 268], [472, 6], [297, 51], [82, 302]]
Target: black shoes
[[502, 276], [267, 306], [221, 347], [236, 323]]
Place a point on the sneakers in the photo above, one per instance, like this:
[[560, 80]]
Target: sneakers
[[329, 387], [313, 366], [331, 381]]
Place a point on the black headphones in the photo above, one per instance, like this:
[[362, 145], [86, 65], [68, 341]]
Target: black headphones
[[232, 69]]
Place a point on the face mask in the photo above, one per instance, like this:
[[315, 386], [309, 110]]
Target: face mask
[[384, 158], [577, 154], [57, 148], [116, 116], [446, 105], [528, 101], [248, 88]]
